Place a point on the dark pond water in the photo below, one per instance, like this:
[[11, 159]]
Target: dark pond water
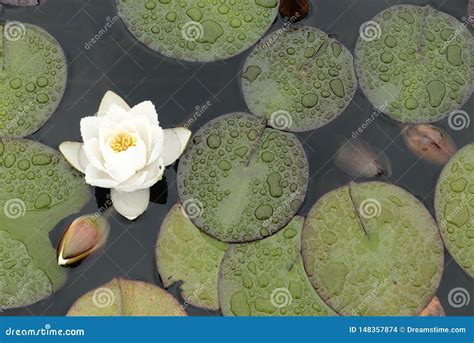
[[120, 63]]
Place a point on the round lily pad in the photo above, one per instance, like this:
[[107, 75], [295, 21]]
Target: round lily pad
[[372, 249], [184, 253], [122, 297], [454, 205], [415, 64], [241, 181], [267, 278], [33, 78], [38, 188], [197, 30], [300, 81]]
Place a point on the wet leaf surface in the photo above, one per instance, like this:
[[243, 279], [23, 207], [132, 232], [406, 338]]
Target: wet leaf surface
[[454, 204], [267, 278], [415, 64], [299, 79], [372, 249], [38, 188], [241, 181]]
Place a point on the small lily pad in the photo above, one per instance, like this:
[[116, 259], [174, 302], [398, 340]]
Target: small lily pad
[[300, 80], [415, 64], [267, 278], [196, 30], [241, 180], [184, 253], [121, 297], [372, 249], [33, 78], [454, 205], [38, 188]]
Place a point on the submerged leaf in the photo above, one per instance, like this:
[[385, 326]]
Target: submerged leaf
[[122, 297], [429, 142], [22, 2], [434, 309], [357, 158], [83, 237], [184, 253], [267, 277], [37, 190], [295, 10], [241, 181], [372, 249]]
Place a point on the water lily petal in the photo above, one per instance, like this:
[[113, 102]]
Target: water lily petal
[[130, 204], [123, 165], [115, 114], [146, 109], [109, 99], [74, 154], [157, 142], [175, 141], [95, 177], [90, 128], [94, 155], [145, 178]]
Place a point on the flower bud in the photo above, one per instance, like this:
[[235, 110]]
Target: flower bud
[[84, 236]]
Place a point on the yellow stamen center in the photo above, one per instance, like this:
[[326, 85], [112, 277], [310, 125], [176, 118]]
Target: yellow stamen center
[[122, 142]]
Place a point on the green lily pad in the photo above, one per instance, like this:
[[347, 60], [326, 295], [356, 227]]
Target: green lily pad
[[372, 249], [267, 278], [300, 81], [415, 64], [184, 253], [38, 188], [121, 297], [197, 30], [454, 205], [33, 78], [240, 181]]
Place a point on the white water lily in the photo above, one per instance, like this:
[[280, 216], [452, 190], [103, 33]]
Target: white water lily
[[125, 149]]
